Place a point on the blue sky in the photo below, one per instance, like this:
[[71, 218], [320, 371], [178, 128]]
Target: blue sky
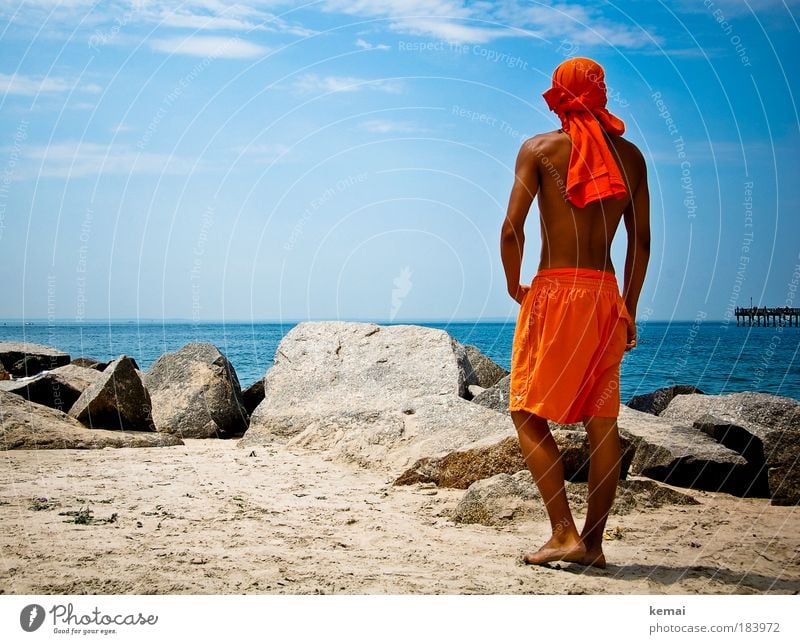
[[352, 160]]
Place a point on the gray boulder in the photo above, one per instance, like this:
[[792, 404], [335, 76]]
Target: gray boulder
[[764, 429], [483, 371], [394, 438], [196, 393], [474, 390], [379, 396], [496, 396], [507, 497], [253, 395], [488, 457], [573, 443], [682, 455], [91, 363], [502, 498], [28, 358], [461, 468], [760, 410], [116, 400], [58, 388], [656, 401], [27, 425]]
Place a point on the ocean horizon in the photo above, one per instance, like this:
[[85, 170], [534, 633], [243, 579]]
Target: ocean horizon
[[715, 356]]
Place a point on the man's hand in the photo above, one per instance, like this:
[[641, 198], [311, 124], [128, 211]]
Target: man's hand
[[631, 343], [520, 293]]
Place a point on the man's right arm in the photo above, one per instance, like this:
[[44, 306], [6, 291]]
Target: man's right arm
[[637, 226], [512, 237]]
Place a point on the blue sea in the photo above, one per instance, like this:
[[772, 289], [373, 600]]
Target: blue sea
[[716, 357]]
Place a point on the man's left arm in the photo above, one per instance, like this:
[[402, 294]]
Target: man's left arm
[[512, 237]]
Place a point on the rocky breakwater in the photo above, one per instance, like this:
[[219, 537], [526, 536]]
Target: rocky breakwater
[[396, 398], [763, 430], [28, 358], [379, 396], [193, 392]]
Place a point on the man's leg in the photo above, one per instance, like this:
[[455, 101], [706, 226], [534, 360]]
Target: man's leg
[[544, 461], [604, 468]]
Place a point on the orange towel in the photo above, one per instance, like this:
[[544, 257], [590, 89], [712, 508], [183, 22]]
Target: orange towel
[[568, 344], [578, 97]]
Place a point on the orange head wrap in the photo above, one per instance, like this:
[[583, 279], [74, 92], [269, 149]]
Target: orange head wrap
[[578, 97]]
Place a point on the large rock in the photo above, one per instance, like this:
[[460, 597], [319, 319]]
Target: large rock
[[783, 482], [764, 429], [196, 393], [502, 498], [253, 395], [656, 401], [461, 468], [77, 377], [393, 439], [117, 399], [760, 410], [59, 388], [91, 363], [507, 497], [28, 359], [483, 371], [27, 425], [682, 455], [488, 457], [379, 396], [573, 443], [742, 442], [474, 390], [496, 396]]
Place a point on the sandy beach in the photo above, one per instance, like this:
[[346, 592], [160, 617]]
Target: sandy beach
[[210, 518]]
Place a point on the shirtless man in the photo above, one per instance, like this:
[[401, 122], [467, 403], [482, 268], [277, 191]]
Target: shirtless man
[[573, 325]]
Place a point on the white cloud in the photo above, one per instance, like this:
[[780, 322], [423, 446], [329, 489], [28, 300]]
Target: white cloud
[[23, 85], [210, 22], [448, 20], [82, 105], [315, 83], [65, 18], [579, 24], [209, 46], [222, 16], [368, 45], [457, 21], [74, 159], [448, 30]]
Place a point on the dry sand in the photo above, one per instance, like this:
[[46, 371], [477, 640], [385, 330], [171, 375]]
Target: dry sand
[[207, 518]]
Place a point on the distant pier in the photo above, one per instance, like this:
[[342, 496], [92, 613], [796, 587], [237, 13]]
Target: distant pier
[[767, 316]]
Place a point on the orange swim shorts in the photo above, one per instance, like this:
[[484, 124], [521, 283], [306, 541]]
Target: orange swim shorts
[[568, 345]]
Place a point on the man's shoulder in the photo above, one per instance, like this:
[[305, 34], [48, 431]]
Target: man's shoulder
[[542, 143], [623, 145], [544, 138]]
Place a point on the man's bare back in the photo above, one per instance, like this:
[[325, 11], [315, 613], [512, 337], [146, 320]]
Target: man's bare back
[[579, 236]]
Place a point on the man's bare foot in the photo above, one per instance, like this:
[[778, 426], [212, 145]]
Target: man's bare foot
[[557, 551], [594, 558]]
